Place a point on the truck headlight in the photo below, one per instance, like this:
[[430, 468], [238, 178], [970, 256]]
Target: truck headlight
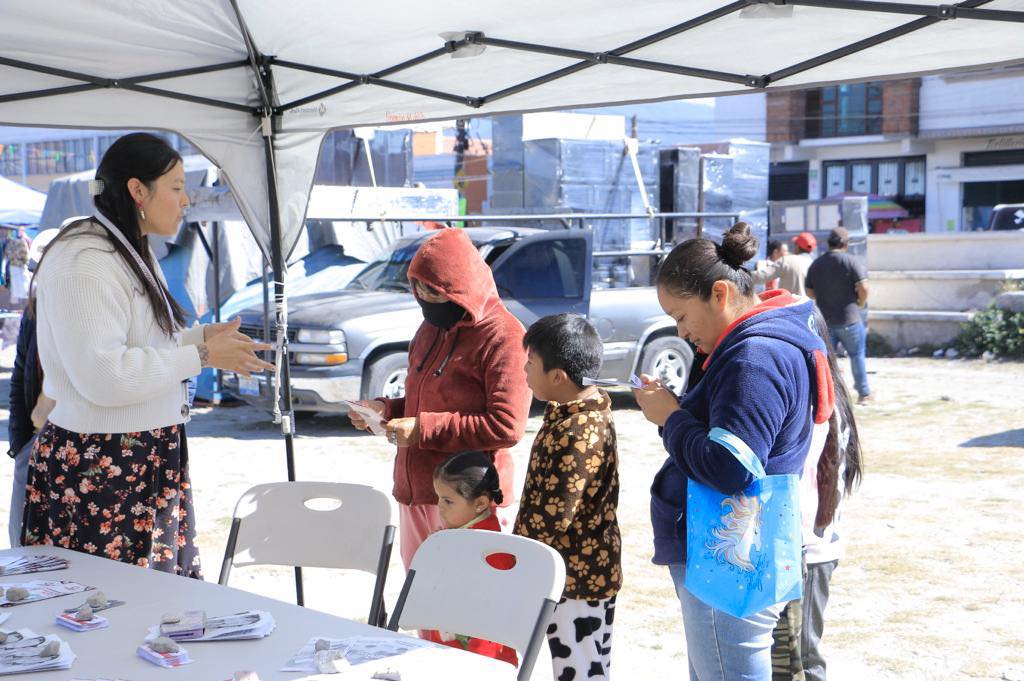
[[320, 359], [321, 336]]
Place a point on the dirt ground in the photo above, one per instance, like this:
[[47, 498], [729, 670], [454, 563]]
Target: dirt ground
[[932, 586]]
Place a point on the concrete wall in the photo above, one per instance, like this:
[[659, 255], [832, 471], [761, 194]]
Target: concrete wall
[[955, 251], [945, 291], [965, 101], [924, 286]]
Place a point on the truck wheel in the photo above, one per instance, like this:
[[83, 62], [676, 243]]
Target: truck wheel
[[669, 359], [386, 376]]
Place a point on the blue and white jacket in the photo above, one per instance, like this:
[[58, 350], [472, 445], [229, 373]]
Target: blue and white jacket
[[766, 382]]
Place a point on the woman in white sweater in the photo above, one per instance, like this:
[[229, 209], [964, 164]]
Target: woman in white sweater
[[109, 472]]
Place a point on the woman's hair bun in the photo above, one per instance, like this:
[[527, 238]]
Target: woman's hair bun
[[497, 496], [738, 245]]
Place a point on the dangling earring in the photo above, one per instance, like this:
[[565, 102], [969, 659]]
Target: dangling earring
[[142, 214]]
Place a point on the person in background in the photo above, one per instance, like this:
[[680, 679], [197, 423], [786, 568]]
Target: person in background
[[776, 251], [108, 474], [465, 389], [832, 471], [29, 411], [571, 493], [790, 269], [838, 282], [468, 493], [16, 253]]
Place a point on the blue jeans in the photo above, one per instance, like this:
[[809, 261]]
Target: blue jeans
[[721, 647], [854, 339], [18, 492]]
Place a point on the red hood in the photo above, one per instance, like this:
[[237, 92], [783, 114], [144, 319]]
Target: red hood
[[449, 262]]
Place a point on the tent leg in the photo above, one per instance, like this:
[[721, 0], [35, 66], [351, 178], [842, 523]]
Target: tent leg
[[277, 263], [218, 392]]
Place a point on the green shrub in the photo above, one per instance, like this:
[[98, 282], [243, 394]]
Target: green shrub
[[878, 346], [998, 331]]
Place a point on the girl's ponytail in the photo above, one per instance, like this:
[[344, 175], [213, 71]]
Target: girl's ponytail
[[472, 475]]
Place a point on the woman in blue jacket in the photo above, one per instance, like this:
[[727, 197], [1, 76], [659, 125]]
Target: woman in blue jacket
[[766, 381]]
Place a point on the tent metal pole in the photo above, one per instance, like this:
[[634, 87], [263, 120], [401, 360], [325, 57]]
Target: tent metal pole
[[198, 70], [217, 391], [609, 58], [619, 51], [51, 92], [950, 11], [852, 48], [265, 84], [277, 264]]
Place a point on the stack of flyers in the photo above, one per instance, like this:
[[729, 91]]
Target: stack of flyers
[[41, 590], [71, 622], [25, 651], [23, 565], [183, 626], [354, 649], [251, 624], [168, 660]]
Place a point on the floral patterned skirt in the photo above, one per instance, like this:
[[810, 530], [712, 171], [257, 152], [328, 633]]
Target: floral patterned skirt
[[124, 496]]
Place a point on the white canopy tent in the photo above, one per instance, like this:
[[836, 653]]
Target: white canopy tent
[[255, 84], [19, 205]]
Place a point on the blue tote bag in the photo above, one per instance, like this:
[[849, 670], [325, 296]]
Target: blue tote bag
[[743, 551]]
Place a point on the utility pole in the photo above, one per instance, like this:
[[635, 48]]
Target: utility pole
[[461, 146]]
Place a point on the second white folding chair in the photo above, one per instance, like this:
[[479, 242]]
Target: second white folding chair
[[314, 524], [451, 587]]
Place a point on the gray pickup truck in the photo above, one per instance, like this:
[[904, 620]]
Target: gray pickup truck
[[353, 344]]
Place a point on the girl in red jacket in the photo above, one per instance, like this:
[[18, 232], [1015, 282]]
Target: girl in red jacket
[[467, 494]]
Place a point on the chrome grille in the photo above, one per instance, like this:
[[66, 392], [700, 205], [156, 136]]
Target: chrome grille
[[256, 332]]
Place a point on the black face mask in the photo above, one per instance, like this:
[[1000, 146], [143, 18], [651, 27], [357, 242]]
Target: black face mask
[[442, 315]]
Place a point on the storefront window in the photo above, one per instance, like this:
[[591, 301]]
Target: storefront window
[[888, 178]]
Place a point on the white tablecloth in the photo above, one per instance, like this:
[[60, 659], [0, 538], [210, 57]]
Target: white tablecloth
[[110, 652]]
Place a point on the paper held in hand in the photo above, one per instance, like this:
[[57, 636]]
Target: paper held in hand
[[372, 418], [633, 382]]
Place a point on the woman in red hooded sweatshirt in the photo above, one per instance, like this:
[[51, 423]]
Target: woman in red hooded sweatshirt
[[466, 388]]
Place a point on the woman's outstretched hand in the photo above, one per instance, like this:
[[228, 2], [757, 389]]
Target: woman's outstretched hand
[[656, 401], [225, 347]]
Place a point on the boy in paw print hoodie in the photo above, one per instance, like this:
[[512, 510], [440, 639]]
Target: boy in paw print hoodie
[[569, 502], [571, 494]]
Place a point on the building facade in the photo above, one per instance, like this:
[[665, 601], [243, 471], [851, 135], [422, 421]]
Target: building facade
[[945, 148]]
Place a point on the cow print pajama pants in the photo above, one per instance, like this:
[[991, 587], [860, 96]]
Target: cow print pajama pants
[[580, 638]]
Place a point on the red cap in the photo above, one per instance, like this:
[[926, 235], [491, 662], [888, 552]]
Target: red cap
[[806, 242]]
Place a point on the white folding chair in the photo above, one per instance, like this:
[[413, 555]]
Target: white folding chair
[[451, 587], [314, 524]]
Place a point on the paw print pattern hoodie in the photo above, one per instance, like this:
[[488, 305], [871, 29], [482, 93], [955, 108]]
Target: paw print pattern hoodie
[[466, 384]]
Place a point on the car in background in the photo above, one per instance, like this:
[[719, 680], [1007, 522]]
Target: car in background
[[353, 343], [1007, 217]]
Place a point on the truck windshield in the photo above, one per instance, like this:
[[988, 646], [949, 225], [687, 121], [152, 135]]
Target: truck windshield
[[389, 272]]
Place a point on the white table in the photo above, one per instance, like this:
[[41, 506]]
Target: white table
[[110, 652]]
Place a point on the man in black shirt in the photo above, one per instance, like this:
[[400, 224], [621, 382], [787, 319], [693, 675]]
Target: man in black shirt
[[839, 283]]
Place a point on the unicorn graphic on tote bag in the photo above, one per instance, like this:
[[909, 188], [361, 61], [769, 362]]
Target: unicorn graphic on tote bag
[[740, 532]]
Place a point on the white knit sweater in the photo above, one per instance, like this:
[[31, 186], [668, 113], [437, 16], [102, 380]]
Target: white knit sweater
[[105, 360]]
